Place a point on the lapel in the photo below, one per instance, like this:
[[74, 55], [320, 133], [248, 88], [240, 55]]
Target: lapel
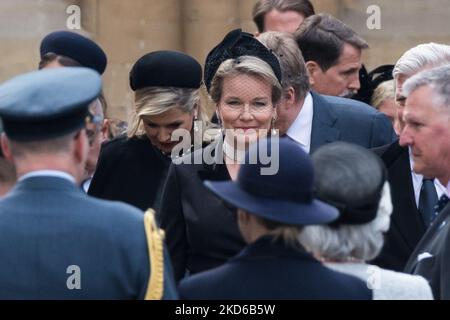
[[427, 239], [324, 123], [406, 217]]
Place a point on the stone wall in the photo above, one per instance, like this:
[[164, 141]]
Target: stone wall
[[129, 29]]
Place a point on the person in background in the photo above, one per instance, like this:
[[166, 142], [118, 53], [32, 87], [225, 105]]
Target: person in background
[[281, 15], [332, 52], [353, 179], [68, 49], [133, 168], [312, 119], [413, 195], [383, 99]]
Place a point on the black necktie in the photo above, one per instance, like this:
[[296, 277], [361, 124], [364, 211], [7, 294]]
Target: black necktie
[[427, 200]]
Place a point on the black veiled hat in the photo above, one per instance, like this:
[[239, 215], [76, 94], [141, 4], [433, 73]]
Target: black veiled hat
[[237, 44], [370, 81]]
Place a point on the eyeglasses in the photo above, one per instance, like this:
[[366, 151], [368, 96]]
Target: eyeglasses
[[93, 127], [253, 107]]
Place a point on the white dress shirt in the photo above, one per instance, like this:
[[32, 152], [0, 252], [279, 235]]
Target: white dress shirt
[[417, 180], [48, 173], [300, 130]]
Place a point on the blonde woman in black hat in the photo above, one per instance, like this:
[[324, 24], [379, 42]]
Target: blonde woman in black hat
[[271, 215], [243, 79], [133, 168], [353, 180]]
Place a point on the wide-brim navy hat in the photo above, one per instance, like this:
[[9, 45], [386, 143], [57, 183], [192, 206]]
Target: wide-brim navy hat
[[75, 46], [237, 44], [166, 69], [286, 196]]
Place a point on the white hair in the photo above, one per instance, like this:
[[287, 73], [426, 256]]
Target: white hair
[[362, 242], [422, 56], [438, 79]]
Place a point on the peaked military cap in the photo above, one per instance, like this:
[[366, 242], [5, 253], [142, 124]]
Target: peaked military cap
[[166, 69], [48, 103], [236, 44], [76, 47]]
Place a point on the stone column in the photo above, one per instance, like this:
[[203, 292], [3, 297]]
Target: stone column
[[127, 30]]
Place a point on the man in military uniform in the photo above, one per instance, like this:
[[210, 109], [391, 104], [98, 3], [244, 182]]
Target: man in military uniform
[[55, 241]]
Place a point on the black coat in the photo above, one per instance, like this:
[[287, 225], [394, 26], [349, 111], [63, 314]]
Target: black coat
[[201, 232], [130, 170], [272, 270], [407, 227], [431, 258]]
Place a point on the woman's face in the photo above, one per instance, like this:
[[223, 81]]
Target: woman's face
[[246, 107], [159, 128]]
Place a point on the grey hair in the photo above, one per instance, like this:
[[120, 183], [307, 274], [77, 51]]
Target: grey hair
[[351, 175], [361, 242], [422, 56], [438, 79]]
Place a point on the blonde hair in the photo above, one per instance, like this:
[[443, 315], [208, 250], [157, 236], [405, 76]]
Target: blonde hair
[[152, 101], [386, 90], [248, 65]]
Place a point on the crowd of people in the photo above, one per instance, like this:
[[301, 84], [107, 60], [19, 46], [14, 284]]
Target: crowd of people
[[315, 179]]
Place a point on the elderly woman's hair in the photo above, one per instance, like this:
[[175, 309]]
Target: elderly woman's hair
[[424, 55], [384, 91], [247, 65], [152, 101], [348, 174]]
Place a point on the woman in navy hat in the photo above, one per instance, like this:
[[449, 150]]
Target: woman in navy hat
[[272, 209], [353, 179], [133, 168], [243, 79]]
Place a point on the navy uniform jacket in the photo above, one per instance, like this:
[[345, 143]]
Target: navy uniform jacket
[[431, 257], [48, 226], [271, 270]]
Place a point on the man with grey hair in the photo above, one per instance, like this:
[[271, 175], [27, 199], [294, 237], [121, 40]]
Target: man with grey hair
[[312, 119], [413, 196], [427, 131]]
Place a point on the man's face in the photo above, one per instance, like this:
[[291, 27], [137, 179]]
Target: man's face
[[427, 131], [342, 79], [287, 21]]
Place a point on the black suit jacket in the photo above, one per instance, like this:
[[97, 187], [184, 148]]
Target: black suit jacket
[[201, 232], [407, 227], [434, 252], [271, 270]]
